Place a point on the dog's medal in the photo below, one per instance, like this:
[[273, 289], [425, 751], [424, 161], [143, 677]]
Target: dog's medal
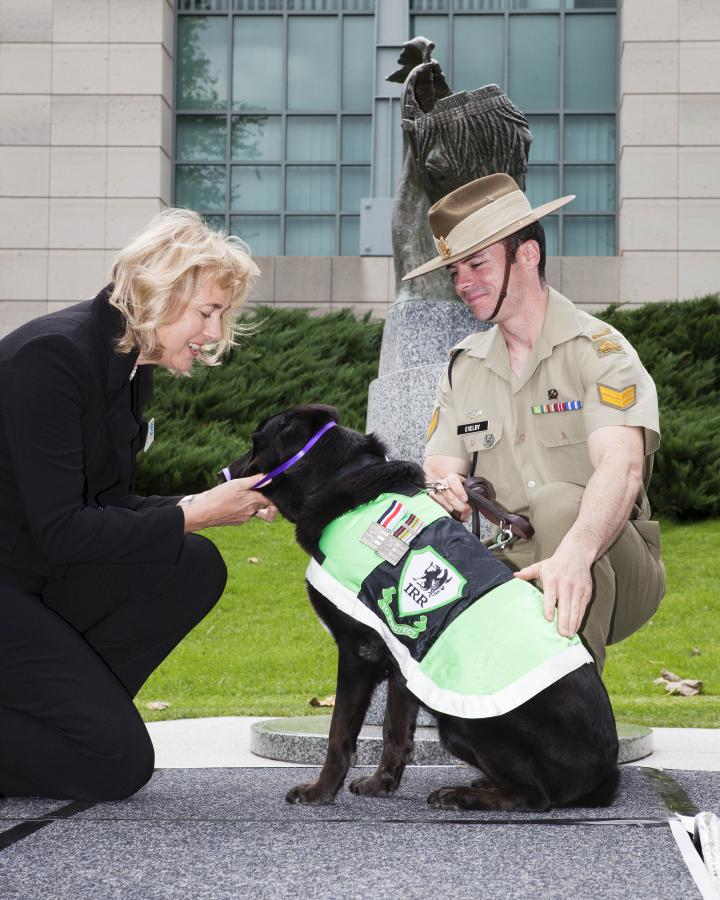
[[391, 535], [384, 543]]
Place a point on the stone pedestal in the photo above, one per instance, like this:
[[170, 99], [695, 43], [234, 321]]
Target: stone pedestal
[[416, 342], [417, 338], [303, 740]]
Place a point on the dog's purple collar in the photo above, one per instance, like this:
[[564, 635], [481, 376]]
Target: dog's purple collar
[[290, 462]]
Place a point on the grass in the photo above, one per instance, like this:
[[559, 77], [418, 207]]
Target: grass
[[262, 651], [686, 621]]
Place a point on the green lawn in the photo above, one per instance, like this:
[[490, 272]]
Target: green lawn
[[263, 652], [687, 621]]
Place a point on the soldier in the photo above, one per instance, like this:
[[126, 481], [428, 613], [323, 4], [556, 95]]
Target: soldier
[[554, 408]]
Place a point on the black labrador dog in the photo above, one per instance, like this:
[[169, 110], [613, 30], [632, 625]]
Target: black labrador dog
[[557, 749]]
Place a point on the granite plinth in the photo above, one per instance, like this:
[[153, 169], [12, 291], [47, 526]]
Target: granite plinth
[[376, 711], [421, 332], [400, 407], [303, 740], [417, 338]]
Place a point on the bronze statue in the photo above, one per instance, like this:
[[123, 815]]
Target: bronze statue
[[448, 140]]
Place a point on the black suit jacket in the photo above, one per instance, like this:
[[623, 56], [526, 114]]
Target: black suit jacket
[[70, 426]]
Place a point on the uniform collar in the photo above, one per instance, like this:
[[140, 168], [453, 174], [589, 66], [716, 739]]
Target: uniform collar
[[561, 324], [110, 324], [562, 321]]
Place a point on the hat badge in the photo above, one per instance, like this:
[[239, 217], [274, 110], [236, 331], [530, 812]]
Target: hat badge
[[444, 247]]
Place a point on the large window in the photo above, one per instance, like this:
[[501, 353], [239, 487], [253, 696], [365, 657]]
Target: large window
[[273, 124], [557, 61]]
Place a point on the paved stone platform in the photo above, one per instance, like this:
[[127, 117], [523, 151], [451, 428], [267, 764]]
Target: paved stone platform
[[228, 833]]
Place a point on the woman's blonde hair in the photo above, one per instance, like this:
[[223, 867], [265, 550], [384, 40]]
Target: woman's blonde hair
[[159, 272]]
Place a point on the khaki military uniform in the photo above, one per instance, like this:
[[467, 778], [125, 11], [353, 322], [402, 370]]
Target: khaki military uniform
[[528, 437]]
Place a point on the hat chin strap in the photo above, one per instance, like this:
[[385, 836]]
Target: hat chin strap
[[506, 278]]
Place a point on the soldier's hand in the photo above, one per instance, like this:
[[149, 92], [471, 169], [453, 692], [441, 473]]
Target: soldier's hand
[[567, 583], [451, 496]]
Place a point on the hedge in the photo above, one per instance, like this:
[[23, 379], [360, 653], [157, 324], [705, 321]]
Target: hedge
[[205, 421]]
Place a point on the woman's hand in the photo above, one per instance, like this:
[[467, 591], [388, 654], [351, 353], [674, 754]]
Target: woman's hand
[[231, 503]]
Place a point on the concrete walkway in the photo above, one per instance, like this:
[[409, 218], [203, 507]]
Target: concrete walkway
[[225, 743]]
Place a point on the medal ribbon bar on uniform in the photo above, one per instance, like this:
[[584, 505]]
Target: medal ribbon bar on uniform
[[565, 406]]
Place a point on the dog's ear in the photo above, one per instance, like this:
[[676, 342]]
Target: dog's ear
[[300, 423], [317, 414]]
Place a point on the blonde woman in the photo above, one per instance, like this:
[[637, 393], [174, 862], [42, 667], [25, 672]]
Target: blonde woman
[[97, 584]]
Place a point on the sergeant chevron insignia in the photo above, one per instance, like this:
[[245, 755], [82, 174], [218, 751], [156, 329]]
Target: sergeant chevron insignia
[[622, 398]]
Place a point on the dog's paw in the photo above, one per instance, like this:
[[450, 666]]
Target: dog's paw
[[309, 793], [445, 798], [373, 786]]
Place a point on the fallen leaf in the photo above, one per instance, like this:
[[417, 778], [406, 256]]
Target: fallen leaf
[[157, 704], [686, 688], [674, 684], [253, 559], [326, 701], [669, 676]]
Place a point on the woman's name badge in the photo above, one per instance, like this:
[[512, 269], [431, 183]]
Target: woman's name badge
[[150, 437]]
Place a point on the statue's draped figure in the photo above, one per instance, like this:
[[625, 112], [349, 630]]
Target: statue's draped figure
[[448, 140]]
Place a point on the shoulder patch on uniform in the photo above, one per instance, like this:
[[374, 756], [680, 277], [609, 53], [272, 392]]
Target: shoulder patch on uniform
[[601, 334], [433, 422], [618, 398], [603, 347]]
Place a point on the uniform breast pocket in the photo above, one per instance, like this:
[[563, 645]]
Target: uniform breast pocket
[[482, 435], [562, 453], [560, 429]]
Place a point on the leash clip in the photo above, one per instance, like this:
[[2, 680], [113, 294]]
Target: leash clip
[[436, 486], [504, 536]]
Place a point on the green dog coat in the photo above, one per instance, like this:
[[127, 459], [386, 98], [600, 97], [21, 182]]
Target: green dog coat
[[470, 640]]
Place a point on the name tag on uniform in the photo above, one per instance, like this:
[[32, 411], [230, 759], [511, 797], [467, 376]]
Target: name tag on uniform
[[472, 427], [150, 437]]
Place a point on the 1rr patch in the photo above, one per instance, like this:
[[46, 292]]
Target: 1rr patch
[[428, 581]]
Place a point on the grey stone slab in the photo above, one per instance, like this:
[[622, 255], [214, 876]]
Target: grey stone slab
[[342, 860], [701, 787], [217, 833], [258, 795], [21, 808]]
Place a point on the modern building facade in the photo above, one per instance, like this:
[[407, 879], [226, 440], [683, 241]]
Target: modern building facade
[[274, 119]]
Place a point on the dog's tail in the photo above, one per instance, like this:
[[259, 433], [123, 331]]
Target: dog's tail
[[602, 794]]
